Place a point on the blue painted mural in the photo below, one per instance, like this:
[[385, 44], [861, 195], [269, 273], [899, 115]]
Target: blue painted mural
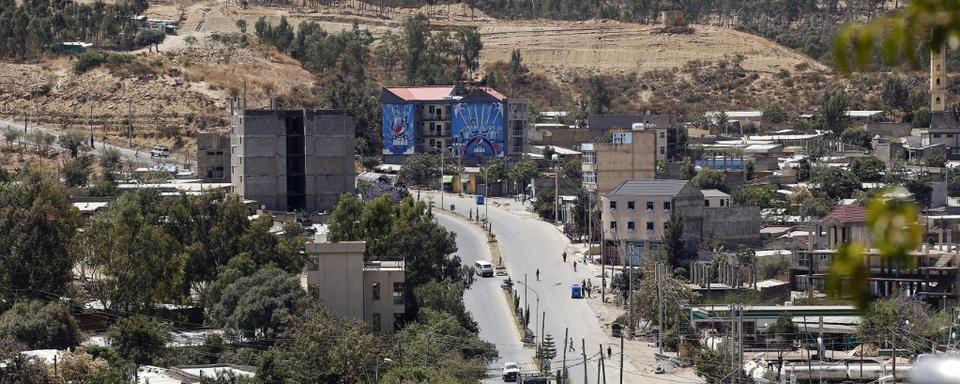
[[478, 129], [399, 133]]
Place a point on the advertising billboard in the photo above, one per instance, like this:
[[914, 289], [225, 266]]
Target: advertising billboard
[[478, 129], [399, 134]]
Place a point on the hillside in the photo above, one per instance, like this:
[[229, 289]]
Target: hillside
[[185, 87]]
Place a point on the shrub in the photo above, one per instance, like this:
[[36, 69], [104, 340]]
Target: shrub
[[39, 325], [92, 59]]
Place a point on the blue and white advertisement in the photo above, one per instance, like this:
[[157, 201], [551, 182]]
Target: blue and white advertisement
[[398, 131], [478, 129]]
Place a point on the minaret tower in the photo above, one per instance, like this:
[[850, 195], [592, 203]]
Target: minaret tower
[[938, 79]]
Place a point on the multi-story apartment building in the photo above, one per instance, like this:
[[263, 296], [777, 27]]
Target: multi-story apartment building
[[628, 155], [635, 215], [372, 291], [290, 160], [934, 279], [477, 123]]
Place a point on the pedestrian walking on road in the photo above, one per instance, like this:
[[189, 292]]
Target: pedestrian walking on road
[[564, 256], [538, 274], [574, 265], [609, 352], [572, 349]]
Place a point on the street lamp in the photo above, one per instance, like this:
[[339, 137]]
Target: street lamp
[[376, 372], [486, 192], [441, 172], [527, 289], [556, 188]]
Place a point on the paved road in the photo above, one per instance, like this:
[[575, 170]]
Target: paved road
[[139, 157], [528, 244], [485, 300]]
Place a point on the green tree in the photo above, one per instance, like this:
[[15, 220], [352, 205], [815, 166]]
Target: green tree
[[139, 339], [447, 297], [421, 169], [748, 169], [890, 315], [687, 170], [128, 261], [921, 118], [416, 32], [344, 222], [709, 178], [320, 347], [835, 183], [758, 195], [869, 169], [37, 225], [774, 115], [673, 242], [39, 325], [11, 135], [857, 136], [713, 365], [523, 172], [674, 292], [76, 172], [544, 206], [833, 111], [937, 161], [466, 358], [895, 94], [598, 98], [259, 305], [468, 50]]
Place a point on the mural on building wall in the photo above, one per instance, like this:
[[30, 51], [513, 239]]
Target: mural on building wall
[[398, 130], [478, 129]]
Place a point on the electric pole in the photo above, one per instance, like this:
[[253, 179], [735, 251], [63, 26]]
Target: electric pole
[[583, 351], [566, 339]]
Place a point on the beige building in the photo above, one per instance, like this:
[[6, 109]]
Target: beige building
[[372, 291], [715, 198], [629, 155]]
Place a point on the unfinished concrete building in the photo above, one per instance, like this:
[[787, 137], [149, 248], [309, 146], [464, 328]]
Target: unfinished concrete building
[[213, 157], [292, 160]]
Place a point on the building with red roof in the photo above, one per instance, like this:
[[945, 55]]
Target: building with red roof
[[475, 123]]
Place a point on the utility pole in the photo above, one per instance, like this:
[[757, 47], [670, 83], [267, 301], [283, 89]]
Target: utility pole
[[543, 325], [658, 272], [583, 351], [621, 357], [566, 339], [556, 189]]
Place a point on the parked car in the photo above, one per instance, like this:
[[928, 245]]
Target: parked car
[[160, 151], [576, 291], [511, 371], [484, 268]]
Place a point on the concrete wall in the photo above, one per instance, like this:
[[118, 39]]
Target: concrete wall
[[334, 272], [213, 157], [734, 225], [387, 275], [618, 162], [888, 129], [259, 157]]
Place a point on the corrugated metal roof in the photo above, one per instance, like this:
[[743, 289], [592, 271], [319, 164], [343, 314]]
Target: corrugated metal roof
[[713, 193], [422, 93], [657, 187]]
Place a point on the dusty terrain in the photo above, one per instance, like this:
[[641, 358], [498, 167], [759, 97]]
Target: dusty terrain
[[186, 86]]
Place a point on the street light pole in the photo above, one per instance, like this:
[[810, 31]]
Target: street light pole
[[486, 192], [556, 188], [441, 172]]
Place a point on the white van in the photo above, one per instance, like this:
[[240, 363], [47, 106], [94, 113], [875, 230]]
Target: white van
[[160, 151], [484, 268]]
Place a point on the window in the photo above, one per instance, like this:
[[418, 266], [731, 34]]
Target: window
[[376, 319], [613, 206], [706, 203], [665, 225], [666, 206], [722, 201], [662, 135], [313, 263], [397, 293], [936, 135], [649, 205], [649, 226], [375, 290], [631, 205], [655, 245], [622, 138], [432, 109], [950, 135], [630, 226], [613, 226], [663, 150]]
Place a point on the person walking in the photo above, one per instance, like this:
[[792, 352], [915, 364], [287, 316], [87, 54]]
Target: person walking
[[574, 265], [572, 349], [609, 352], [538, 274], [564, 256]]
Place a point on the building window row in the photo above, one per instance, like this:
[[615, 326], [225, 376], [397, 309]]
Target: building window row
[[398, 296], [631, 226], [631, 205]]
